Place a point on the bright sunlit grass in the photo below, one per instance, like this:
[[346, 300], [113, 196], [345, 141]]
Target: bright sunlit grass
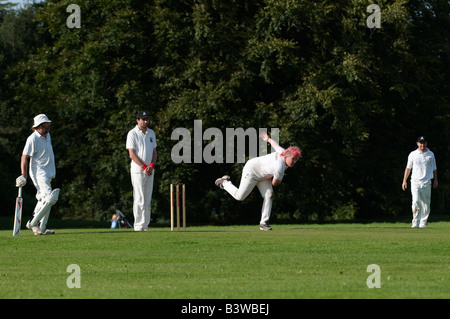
[[290, 262]]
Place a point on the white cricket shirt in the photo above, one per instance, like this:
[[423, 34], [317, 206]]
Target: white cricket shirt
[[42, 159], [143, 145], [267, 166], [422, 165]]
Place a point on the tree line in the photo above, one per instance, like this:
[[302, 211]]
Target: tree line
[[354, 98]]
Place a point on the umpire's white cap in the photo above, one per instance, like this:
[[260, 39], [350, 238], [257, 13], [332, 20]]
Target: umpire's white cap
[[39, 119]]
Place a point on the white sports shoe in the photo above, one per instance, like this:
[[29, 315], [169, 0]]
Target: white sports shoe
[[265, 227], [36, 230]]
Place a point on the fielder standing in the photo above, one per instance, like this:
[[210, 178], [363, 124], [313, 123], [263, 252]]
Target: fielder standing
[[141, 145], [38, 151], [264, 172], [423, 165]]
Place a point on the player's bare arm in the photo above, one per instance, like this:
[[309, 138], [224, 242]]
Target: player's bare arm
[[22, 179], [405, 178], [435, 179], [265, 137], [134, 157], [275, 182], [152, 165], [148, 170], [24, 165]]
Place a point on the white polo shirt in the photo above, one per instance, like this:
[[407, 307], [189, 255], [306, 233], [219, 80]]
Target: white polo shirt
[[143, 145], [422, 164], [267, 166], [42, 159]]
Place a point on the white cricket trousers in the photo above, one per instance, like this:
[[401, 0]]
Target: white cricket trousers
[[421, 200], [44, 189], [142, 198], [248, 182]]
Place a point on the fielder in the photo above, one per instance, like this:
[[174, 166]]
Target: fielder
[[423, 165], [38, 151], [264, 172], [141, 145]]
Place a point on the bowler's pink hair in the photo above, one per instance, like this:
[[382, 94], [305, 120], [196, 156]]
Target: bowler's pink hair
[[294, 150]]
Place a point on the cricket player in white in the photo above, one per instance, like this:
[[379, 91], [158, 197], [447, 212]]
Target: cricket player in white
[[264, 172], [423, 165], [141, 145], [39, 151]]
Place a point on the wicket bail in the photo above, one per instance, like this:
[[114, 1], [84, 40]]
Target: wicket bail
[[172, 206]]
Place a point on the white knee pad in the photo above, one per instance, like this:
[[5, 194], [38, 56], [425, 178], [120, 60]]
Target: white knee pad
[[52, 198], [44, 209]]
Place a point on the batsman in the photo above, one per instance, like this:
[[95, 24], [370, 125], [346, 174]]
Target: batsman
[[38, 153]]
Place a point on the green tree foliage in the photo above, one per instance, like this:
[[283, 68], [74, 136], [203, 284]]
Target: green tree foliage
[[353, 98]]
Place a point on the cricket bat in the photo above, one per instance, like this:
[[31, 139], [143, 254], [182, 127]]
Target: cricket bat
[[18, 213]]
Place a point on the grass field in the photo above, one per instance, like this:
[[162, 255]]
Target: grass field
[[233, 262]]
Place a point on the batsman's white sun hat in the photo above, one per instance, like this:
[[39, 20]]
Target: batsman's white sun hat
[[39, 119]]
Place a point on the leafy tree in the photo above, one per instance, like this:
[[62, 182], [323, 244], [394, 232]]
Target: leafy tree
[[18, 40], [353, 98]]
